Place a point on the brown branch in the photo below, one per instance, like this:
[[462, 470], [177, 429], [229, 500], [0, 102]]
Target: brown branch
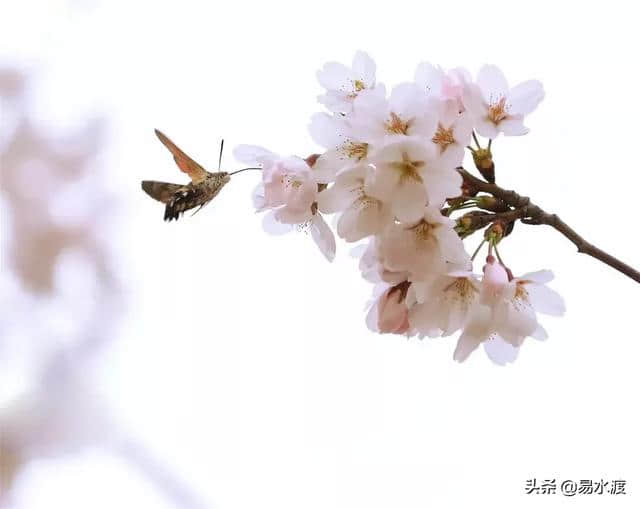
[[530, 213]]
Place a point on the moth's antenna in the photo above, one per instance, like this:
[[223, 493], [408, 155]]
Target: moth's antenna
[[243, 169], [220, 157]]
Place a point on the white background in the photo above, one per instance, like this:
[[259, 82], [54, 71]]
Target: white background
[[243, 360]]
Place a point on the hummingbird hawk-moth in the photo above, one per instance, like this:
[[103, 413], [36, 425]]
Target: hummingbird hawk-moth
[[178, 198]]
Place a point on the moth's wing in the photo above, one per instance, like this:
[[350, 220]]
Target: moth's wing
[[184, 162], [185, 199], [161, 191]]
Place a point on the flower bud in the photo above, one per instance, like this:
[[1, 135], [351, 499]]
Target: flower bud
[[469, 223], [494, 233], [393, 314], [491, 203], [483, 160]]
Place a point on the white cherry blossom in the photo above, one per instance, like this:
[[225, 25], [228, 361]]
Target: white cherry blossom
[[452, 134], [409, 176], [423, 248], [362, 215], [334, 133], [443, 85], [344, 84], [389, 165], [445, 304], [496, 107], [289, 191], [508, 309], [407, 112], [373, 268]]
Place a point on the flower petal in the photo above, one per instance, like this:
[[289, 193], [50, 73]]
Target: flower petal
[[253, 154], [499, 351], [525, 97], [429, 78], [333, 75], [545, 300], [492, 82], [539, 276], [274, 227], [364, 68], [513, 126], [323, 237], [476, 331], [409, 200]]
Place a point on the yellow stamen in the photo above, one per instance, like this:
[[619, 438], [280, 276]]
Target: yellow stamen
[[395, 124], [498, 111], [408, 169], [443, 138]]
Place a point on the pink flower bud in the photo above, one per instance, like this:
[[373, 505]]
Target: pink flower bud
[[495, 278], [393, 314]]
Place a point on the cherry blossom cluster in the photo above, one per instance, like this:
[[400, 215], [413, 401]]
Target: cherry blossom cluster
[[390, 173]]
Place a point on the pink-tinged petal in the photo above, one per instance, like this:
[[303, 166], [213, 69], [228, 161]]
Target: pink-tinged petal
[[513, 126], [452, 247], [381, 183], [487, 129], [424, 125], [253, 155], [258, 198], [545, 300], [515, 323], [539, 276], [494, 281], [358, 250], [442, 185], [363, 218], [303, 194], [333, 75], [274, 192], [372, 318], [327, 130], [327, 166], [393, 315], [421, 318], [465, 347], [346, 189], [335, 198], [525, 97], [499, 351], [475, 332], [453, 156], [336, 102], [347, 225], [493, 83], [462, 129], [540, 334], [407, 100], [274, 227], [364, 68], [370, 103], [429, 78], [374, 216], [409, 201], [290, 215], [323, 237], [473, 101]]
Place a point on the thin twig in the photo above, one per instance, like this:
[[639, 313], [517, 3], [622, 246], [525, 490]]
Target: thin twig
[[530, 213]]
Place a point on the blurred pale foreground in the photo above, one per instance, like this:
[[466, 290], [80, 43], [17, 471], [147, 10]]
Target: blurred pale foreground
[[61, 300]]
